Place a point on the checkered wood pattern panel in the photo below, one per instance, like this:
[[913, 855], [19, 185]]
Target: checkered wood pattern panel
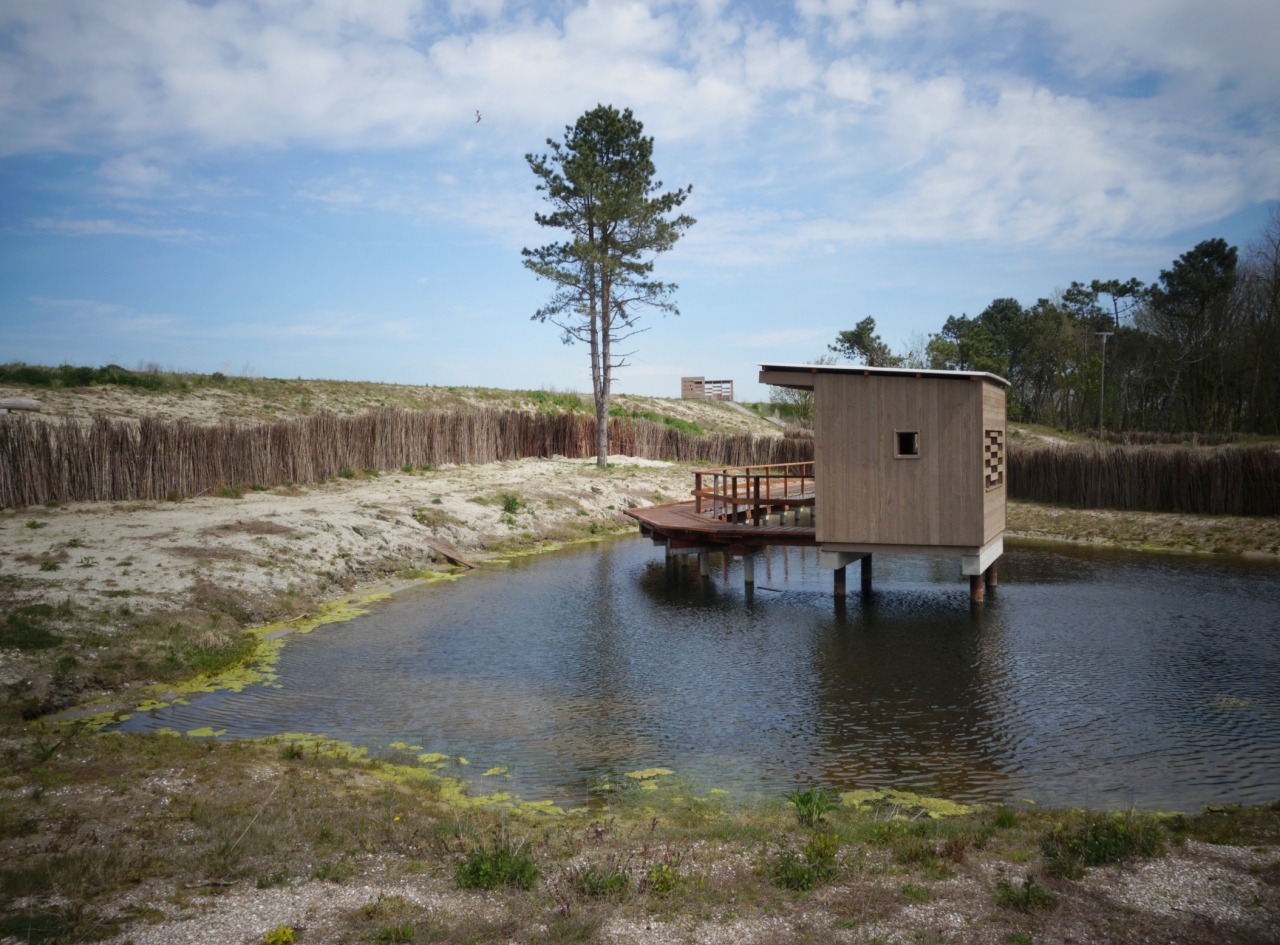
[[993, 458]]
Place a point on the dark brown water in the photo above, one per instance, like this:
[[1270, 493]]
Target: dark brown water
[[1092, 679]]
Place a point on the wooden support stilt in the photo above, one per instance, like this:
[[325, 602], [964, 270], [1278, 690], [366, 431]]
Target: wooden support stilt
[[991, 577], [839, 582], [866, 574], [749, 569], [975, 588], [704, 564]]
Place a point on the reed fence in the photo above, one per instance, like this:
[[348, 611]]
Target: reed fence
[[1228, 480], [114, 460]]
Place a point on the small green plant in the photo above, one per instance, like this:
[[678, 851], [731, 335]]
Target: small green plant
[[1099, 839], [346, 474], [1019, 938], [280, 935], [335, 871], [88, 561], [291, 752], [662, 879], [49, 566], [52, 504], [230, 492], [392, 934], [811, 804], [814, 864], [35, 523], [270, 881], [406, 468], [913, 892], [510, 503], [501, 863], [599, 882], [1004, 818], [75, 543], [1027, 897]]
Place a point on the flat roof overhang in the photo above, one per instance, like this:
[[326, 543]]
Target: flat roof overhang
[[801, 376]]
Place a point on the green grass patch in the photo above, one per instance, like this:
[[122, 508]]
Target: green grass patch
[[27, 628], [813, 864], [1099, 840], [551, 401], [502, 862], [1027, 896], [675, 423]]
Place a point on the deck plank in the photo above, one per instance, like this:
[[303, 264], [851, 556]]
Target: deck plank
[[679, 520]]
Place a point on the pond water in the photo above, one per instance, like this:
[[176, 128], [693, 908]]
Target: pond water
[[1088, 678]]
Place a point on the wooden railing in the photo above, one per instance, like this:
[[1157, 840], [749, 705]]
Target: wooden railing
[[742, 493]]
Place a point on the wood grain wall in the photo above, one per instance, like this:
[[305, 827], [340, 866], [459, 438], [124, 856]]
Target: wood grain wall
[[867, 495]]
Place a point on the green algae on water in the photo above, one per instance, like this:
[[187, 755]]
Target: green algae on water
[[907, 802]]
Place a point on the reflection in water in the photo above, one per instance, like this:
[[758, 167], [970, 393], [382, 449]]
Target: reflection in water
[[1088, 678]]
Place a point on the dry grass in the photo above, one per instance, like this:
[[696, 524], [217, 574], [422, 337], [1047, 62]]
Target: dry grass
[[161, 839]]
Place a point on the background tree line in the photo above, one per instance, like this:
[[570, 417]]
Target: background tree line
[[1197, 351]]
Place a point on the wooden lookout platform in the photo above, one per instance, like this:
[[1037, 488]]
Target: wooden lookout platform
[[739, 510]]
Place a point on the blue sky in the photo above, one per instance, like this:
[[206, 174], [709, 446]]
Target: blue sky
[[299, 188]]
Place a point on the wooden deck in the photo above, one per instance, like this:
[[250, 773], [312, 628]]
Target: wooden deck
[[679, 525], [739, 509]]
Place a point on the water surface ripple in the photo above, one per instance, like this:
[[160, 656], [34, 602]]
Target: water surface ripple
[[1089, 678]]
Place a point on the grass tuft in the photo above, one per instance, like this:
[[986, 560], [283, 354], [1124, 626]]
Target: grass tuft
[[503, 862], [1099, 840], [1027, 897], [811, 804]]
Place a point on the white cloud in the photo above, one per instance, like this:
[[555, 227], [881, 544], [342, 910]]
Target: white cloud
[[329, 325], [779, 339], [134, 175], [108, 317], [105, 227], [90, 307]]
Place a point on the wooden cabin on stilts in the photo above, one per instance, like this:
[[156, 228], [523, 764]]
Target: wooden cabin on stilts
[[905, 461]]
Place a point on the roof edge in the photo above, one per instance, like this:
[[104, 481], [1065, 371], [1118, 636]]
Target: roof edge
[[865, 369]]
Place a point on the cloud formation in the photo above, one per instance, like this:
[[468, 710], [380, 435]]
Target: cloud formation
[[968, 119]]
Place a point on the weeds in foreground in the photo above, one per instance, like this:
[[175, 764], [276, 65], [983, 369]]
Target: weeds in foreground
[[814, 864], [1027, 897], [606, 881], [644, 859], [503, 862], [1098, 840], [915, 893], [811, 804]]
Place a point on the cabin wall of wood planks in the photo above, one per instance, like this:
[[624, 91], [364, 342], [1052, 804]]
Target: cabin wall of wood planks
[[871, 491]]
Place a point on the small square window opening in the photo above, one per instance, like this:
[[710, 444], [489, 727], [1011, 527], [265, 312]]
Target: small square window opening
[[908, 443]]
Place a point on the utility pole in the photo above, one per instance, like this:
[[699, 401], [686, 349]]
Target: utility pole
[[1102, 385]]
